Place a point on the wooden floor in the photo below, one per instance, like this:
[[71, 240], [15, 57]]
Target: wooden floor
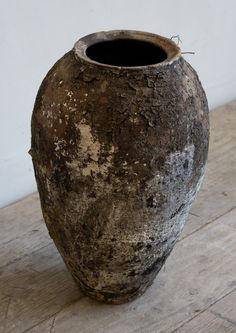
[[194, 293]]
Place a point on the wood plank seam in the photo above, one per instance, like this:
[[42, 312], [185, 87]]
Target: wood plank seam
[[19, 237], [53, 321], [203, 310], [217, 314], [193, 214], [24, 256], [207, 223], [53, 315], [6, 314]]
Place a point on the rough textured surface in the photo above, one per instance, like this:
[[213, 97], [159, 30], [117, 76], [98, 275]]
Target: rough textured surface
[[198, 279], [118, 157]]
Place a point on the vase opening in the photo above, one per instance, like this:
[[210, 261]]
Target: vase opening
[[126, 52], [126, 49]]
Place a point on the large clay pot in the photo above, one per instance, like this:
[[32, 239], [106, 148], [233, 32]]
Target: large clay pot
[[119, 145]]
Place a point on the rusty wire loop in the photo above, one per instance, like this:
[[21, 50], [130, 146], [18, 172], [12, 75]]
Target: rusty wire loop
[[188, 52], [180, 41]]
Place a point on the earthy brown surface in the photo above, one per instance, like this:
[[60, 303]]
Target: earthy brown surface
[[118, 157], [194, 292]]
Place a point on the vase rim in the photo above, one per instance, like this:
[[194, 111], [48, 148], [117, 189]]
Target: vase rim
[[169, 47]]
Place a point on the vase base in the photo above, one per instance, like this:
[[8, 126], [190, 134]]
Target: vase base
[[114, 298]]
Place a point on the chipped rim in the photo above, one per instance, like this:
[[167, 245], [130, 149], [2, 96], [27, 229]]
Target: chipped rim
[[172, 51]]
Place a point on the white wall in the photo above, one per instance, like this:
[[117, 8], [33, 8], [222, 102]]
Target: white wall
[[35, 33]]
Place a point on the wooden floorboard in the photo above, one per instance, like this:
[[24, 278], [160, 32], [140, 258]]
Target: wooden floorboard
[[218, 191], [195, 292], [218, 318], [199, 272]]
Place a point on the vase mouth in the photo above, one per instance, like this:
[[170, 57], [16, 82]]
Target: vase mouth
[[126, 49]]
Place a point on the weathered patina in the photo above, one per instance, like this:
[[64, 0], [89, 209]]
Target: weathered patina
[[119, 153]]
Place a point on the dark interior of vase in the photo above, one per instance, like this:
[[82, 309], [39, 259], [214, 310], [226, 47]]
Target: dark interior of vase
[[126, 52]]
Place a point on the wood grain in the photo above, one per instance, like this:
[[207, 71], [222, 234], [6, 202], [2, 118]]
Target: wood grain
[[219, 318], [218, 191], [199, 272]]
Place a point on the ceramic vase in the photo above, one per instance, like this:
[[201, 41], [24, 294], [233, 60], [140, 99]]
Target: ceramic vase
[[120, 133]]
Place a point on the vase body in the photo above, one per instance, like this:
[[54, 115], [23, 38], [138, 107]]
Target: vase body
[[119, 153]]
